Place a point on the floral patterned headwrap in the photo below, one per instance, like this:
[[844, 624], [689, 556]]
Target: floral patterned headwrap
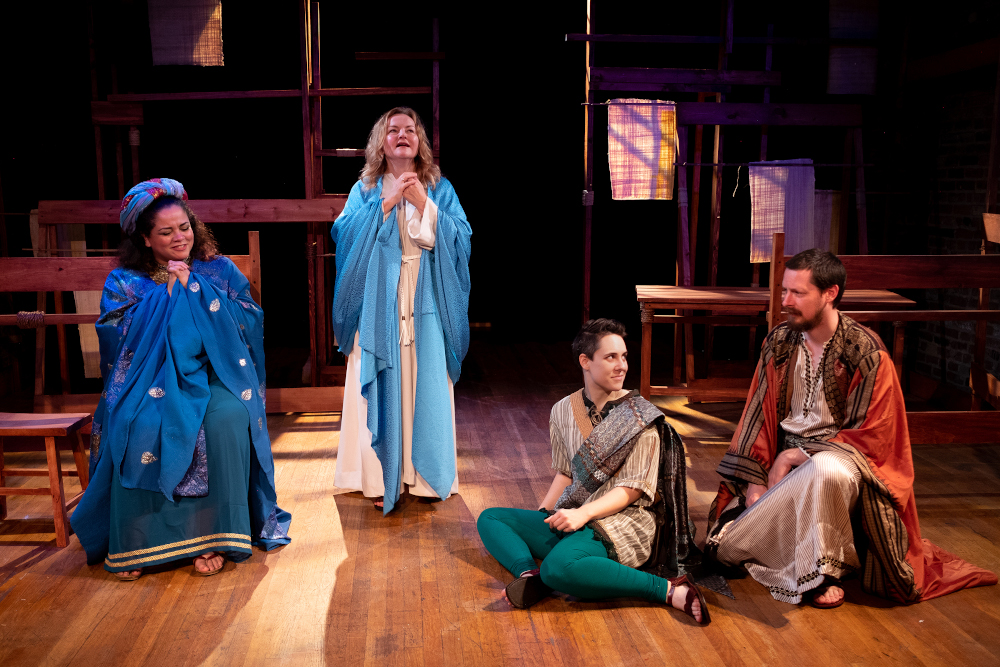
[[144, 194]]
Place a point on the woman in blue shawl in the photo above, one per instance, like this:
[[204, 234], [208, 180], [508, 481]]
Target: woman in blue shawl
[[400, 304], [180, 461]]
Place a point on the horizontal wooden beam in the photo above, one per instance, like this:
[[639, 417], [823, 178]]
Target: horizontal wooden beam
[[921, 271], [264, 94], [399, 55], [352, 92], [954, 428], [50, 274], [747, 113], [37, 472], [712, 39], [661, 87], [340, 152], [203, 95], [718, 320], [305, 399], [957, 60], [106, 211], [651, 75], [279, 400], [109, 113], [923, 315]]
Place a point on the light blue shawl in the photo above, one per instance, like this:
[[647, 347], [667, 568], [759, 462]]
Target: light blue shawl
[[368, 264]]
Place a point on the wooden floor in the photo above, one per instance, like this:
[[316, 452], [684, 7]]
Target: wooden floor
[[417, 588]]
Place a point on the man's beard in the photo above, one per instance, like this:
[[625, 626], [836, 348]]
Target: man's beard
[[804, 325]]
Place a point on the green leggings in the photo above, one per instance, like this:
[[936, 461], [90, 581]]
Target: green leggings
[[574, 563]]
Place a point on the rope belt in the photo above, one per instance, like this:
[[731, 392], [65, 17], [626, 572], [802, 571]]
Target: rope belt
[[407, 286]]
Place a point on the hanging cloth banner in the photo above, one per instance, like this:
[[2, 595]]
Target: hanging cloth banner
[[642, 148], [782, 199], [186, 32]]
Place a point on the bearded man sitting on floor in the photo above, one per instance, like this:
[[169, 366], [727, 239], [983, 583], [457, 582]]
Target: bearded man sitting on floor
[[819, 475]]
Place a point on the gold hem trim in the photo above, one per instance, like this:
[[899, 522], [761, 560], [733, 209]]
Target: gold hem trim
[[173, 555], [172, 545]]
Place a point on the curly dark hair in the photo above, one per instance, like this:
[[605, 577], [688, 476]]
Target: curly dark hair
[[588, 340], [133, 252]]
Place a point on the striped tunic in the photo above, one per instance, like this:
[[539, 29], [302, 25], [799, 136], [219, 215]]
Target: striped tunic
[[632, 529]]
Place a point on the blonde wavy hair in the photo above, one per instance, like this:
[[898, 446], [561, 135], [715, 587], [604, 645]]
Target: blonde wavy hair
[[375, 162]]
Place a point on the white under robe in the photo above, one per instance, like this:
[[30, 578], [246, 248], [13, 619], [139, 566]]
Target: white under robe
[[358, 466], [800, 530]]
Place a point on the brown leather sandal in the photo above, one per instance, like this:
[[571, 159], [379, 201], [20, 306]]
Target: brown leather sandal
[[693, 593], [208, 573]]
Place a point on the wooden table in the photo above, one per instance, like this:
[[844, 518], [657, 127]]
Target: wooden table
[[743, 307], [47, 426]]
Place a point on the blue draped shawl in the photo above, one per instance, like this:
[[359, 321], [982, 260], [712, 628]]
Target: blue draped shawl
[[155, 351], [365, 301]]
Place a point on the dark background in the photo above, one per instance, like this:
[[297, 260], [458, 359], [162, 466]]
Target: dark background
[[512, 129]]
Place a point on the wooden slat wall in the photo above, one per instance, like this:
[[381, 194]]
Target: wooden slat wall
[[325, 209]]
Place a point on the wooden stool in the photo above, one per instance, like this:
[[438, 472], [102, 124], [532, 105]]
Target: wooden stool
[[46, 426]]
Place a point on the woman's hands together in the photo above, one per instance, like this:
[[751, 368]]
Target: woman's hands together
[[407, 186], [178, 271]]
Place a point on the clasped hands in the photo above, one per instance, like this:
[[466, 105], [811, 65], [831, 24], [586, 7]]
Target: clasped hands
[[178, 271], [783, 464], [407, 186]]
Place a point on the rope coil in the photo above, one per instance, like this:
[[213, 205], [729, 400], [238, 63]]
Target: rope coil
[[31, 319]]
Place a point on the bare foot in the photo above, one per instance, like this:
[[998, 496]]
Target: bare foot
[[378, 502], [131, 575], [208, 563], [832, 595], [679, 599]]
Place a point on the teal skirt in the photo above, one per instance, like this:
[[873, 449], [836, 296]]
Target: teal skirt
[[147, 529]]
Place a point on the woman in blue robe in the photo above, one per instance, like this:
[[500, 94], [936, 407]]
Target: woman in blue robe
[[180, 463], [400, 304]]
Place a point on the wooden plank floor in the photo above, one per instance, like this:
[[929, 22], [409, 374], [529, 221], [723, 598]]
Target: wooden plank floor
[[417, 588]]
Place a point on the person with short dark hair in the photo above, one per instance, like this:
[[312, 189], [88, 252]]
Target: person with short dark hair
[[822, 455], [595, 525], [180, 464]]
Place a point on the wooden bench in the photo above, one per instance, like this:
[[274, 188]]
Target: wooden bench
[[918, 272], [48, 427]]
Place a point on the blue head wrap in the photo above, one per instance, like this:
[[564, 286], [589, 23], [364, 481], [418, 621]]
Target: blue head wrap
[[144, 194]]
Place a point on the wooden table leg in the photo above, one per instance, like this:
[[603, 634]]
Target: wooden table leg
[[646, 315], [82, 462], [58, 495]]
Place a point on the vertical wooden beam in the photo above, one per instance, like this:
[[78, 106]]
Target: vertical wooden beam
[[683, 238], [57, 298], [317, 104], [436, 91], [133, 142], [845, 194], [725, 49], [98, 148], [588, 170], [80, 450], [311, 284], [3, 482], [307, 140], [254, 238], [993, 170], [860, 198], [119, 159], [774, 314], [684, 251]]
